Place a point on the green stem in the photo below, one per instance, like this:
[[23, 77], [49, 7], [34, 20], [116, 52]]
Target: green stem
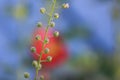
[[36, 74], [45, 36], [47, 28], [50, 17]]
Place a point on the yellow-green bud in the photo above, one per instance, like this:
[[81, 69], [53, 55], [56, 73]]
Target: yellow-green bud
[[56, 15], [26, 75], [43, 10], [65, 5], [41, 77], [33, 49], [56, 33], [39, 24], [35, 63], [38, 37], [47, 50], [52, 24], [39, 66], [46, 41], [49, 58]]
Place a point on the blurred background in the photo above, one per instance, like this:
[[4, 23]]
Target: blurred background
[[89, 28]]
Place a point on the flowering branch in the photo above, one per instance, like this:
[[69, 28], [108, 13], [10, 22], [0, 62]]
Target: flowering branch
[[51, 23]]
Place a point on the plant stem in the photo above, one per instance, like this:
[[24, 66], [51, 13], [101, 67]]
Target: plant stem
[[36, 74], [45, 36]]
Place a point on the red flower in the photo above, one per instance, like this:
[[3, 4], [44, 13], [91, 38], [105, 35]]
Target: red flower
[[58, 51]]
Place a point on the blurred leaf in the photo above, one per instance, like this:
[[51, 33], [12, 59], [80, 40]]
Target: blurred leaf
[[73, 32], [116, 13]]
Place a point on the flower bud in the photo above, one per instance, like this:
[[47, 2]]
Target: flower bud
[[39, 66], [26, 75], [65, 5], [46, 41], [43, 10], [33, 49], [56, 33], [52, 24], [56, 15], [38, 37], [41, 77], [49, 58], [39, 24], [47, 50], [35, 63]]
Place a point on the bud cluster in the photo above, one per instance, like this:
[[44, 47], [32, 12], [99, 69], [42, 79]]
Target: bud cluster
[[52, 15]]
